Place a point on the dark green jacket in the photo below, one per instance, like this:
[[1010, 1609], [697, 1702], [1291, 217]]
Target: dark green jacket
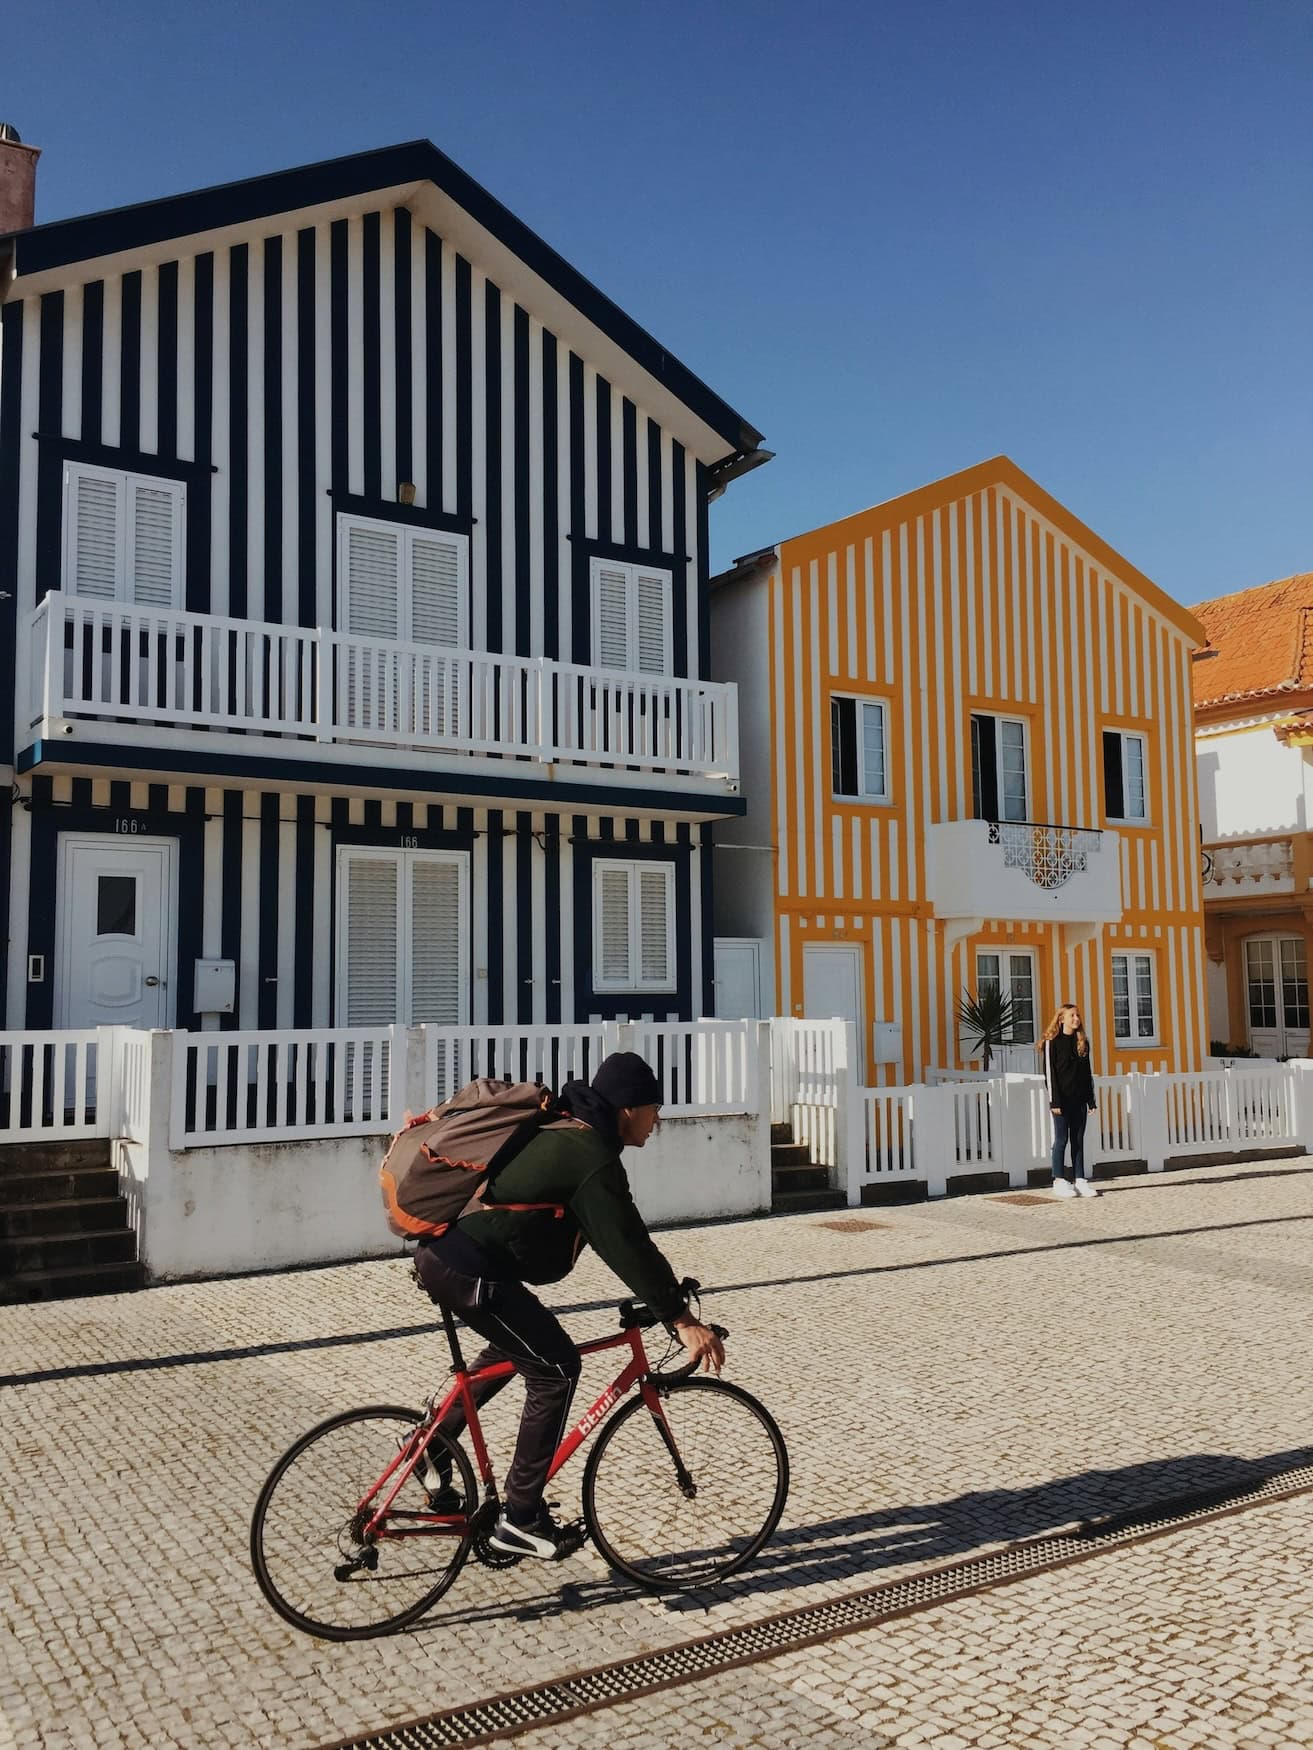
[[571, 1165]]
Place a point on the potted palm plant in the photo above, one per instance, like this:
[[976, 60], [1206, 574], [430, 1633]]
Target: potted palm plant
[[984, 1018]]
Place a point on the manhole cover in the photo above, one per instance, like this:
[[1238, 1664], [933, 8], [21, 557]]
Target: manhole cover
[[852, 1224], [1025, 1197]]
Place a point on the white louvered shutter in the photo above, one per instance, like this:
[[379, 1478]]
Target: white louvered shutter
[[653, 614], [611, 947], [612, 617], [437, 933], [154, 526], [370, 985], [95, 534], [654, 904], [372, 562], [437, 591]]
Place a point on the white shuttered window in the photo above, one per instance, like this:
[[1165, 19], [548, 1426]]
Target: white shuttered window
[[402, 937], [123, 536], [399, 582], [631, 618], [633, 926]]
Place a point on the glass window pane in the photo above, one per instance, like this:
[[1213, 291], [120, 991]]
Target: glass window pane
[[1021, 978], [987, 973], [1294, 982], [1133, 776], [873, 750], [1121, 997], [977, 784], [116, 905], [1259, 961], [1012, 768], [1144, 996]]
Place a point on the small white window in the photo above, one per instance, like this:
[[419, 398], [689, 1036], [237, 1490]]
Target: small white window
[[402, 937], [631, 618], [633, 926], [123, 536], [403, 584], [1134, 1006], [1123, 776], [859, 765]]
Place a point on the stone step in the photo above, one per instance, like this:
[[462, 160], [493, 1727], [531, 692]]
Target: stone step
[[66, 1155], [85, 1215], [806, 1178], [66, 1251], [781, 1133], [68, 1284], [797, 1202], [789, 1154], [50, 1187]]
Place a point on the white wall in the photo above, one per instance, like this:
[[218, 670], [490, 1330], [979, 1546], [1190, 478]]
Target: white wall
[[744, 879], [1249, 784]]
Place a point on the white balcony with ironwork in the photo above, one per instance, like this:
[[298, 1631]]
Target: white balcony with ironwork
[[1023, 871], [111, 671]]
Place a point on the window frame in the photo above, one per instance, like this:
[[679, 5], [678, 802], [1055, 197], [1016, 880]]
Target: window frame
[[1009, 952], [634, 981], [862, 796], [405, 858], [632, 569], [124, 479], [1123, 736], [408, 533], [1134, 1040], [1023, 722]]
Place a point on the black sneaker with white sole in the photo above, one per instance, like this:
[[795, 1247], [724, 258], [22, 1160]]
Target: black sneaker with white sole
[[546, 1538]]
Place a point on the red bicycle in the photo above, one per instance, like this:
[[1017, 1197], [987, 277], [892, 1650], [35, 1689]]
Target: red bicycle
[[366, 1520]]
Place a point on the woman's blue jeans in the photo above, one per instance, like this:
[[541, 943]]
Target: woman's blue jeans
[[1069, 1129]]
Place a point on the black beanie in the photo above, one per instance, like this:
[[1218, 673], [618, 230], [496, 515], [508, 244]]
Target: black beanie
[[623, 1079]]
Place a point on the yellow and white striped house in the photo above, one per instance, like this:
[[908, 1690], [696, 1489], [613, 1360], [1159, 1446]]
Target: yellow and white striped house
[[967, 750]]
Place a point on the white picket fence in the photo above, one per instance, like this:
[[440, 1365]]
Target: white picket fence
[[52, 1082]]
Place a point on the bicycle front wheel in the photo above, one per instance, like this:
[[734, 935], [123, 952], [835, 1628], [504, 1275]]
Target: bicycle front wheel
[[309, 1550], [682, 1512]]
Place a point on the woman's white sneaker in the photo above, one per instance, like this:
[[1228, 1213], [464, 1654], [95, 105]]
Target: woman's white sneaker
[[1063, 1188], [1085, 1188]]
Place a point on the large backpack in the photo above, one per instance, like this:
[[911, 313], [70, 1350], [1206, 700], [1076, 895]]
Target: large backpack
[[439, 1165]]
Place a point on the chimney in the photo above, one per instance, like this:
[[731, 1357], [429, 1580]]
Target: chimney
[[17, 181]]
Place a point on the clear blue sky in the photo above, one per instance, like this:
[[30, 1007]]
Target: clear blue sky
[[899, 236]]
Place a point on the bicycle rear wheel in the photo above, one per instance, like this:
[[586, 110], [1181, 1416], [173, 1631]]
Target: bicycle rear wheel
[[676, 1534], [308, 1549]]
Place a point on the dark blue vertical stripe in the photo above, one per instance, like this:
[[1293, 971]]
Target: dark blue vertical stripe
[[655, 496], [703, 575], [11, 425], [524, 486], [130, 364], [273, 429], [555, 921], [464, 392], [405, 817], [306, 947], [524, 846], [580, 607], [679, 579], [602, 415], [50, 466], [307, 603], [198, 502], [495, 952], [230, 894], [93, 359], [629, 431], [338, 274], [120, 795], [6, 876], [684, 903], [433, 368], [371, 357], [267, 951], [492, 515], [577, 825], [41, 915], [551, 507], [191, 882], [166, 358], [238, 411], [372, 816], [404, 377], [707, 1003]]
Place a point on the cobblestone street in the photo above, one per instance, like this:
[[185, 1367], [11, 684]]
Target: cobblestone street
[[950, 1377]]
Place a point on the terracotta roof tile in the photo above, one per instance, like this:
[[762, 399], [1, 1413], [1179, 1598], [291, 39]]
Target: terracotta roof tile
[[1264, 642]]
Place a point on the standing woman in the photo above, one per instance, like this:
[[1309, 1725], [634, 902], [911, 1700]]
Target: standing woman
[[1070, 1080]]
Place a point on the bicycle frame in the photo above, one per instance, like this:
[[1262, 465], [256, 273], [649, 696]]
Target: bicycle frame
[[636, 1371]]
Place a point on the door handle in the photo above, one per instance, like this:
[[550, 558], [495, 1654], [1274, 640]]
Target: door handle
[[152, 980]]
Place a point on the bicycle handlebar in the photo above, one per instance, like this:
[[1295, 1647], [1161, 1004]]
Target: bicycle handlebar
[[635, 1314]]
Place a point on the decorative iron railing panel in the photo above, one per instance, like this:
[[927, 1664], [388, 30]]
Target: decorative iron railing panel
[[1048, 855]]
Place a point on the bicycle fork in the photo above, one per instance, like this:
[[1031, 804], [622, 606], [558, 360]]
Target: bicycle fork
[[652, 1395]]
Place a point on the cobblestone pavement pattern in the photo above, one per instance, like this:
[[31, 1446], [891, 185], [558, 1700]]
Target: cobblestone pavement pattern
[[961, 1375]]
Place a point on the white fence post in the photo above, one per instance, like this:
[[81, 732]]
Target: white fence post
[[1148, 1099], [850, 1115], [148, 1109], [934, 1136], [1018, 1127]]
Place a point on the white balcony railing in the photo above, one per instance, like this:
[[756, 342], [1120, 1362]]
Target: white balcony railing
[[117, 661], [1024, 870], [1249, 866]]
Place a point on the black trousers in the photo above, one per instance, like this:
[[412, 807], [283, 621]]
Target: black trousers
[[1069, 1130], [518, 1328]]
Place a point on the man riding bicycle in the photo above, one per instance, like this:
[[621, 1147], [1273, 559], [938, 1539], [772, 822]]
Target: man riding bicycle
[[478, 1268]]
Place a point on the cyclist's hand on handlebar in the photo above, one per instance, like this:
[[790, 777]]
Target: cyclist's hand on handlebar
[[702, 1343]]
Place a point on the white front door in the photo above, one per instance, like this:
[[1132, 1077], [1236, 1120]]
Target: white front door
[[832, 985], [738, 980], [114, 949]]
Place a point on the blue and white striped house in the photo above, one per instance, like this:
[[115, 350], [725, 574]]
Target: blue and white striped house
[[354, 582]]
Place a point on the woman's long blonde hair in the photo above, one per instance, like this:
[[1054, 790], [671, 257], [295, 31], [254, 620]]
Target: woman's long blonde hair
[[1055, 1027]]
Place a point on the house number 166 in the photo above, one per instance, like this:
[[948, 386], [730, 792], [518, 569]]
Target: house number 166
[[122, 825]]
